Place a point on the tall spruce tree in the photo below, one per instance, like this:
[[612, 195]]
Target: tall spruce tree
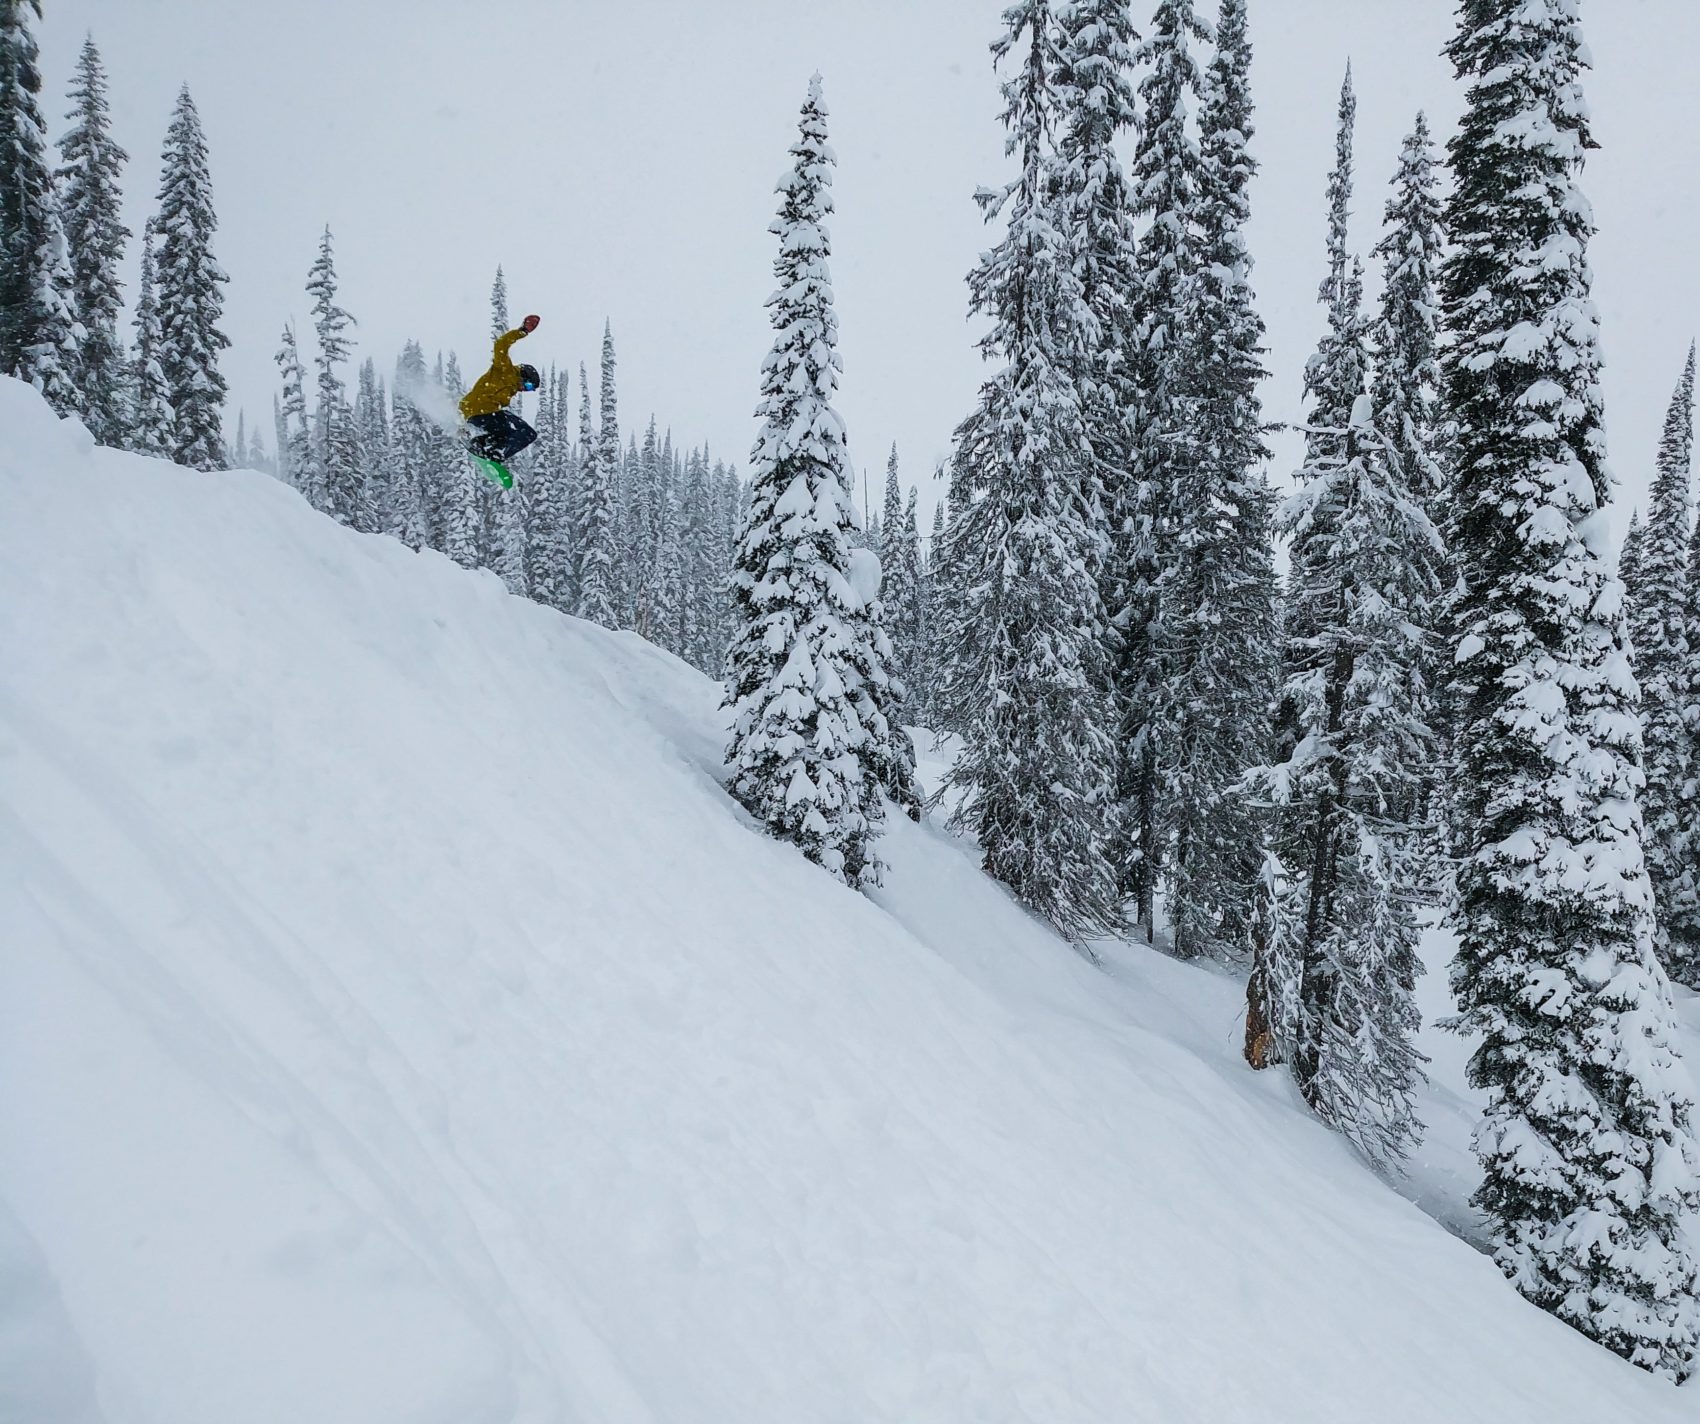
[[1215, 638], [1026, 684], [191, 299], [1097, 105], [1334, 379], [1587, 1147], [1167, 179], [39, 334], [599, 572], [800, 755], [1663, 662], [151, 423], [91, 166], [1335, 376]]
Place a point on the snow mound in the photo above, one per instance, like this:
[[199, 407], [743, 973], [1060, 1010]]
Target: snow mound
[[398, 1023]]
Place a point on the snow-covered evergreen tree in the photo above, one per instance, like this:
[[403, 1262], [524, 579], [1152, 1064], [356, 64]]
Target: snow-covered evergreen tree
[[669, 581], [511, 528], [551, 547], [1346, 796], [647, 493], [295, 455], [933, 621], [1683, 892], [1629, 573], [1094, 81], [91, 165], [1026, 685], [1335, 376], [1405, 388], [1407, 346], [878, 690], [1587, 1145], [799, 752], [1167, 185], [39, 333], [407, 515], [335, 452], [599, 573], [906, 610], [1276, 1026], [373, 456], [1095, 95], [1216, 634], [499, 305], [457, 494], [151, 423], [191, 300], [1664, 660], [901, 591]]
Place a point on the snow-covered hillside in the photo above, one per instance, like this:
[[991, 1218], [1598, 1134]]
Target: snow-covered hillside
[[397, 1023]]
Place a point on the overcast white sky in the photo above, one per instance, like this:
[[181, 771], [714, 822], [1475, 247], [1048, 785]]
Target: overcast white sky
[[618, 159]]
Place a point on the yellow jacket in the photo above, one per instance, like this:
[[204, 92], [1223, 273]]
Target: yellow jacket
[[497, 386]]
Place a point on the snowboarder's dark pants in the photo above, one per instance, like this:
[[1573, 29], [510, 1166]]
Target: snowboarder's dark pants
[[500, 436]]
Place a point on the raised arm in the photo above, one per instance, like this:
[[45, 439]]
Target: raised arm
[[506, 340]]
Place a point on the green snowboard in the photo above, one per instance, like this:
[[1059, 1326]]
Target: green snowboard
[[494, 471]]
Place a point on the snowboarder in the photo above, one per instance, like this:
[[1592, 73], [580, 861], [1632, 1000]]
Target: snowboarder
[[496, 433]]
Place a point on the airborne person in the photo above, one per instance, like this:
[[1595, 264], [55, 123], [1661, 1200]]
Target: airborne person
[[496, 434]]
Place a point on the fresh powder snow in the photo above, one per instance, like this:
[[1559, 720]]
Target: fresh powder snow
[[398, 1022]]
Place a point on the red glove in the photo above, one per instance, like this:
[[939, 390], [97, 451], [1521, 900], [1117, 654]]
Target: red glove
[[530, 323]]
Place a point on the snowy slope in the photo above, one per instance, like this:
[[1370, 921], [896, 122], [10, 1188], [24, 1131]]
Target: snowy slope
[[397, 1023]]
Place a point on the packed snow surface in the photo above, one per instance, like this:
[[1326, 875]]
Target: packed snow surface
[[398, 1023]]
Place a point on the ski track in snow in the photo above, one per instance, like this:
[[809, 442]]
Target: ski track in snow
[[398, 1023]]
